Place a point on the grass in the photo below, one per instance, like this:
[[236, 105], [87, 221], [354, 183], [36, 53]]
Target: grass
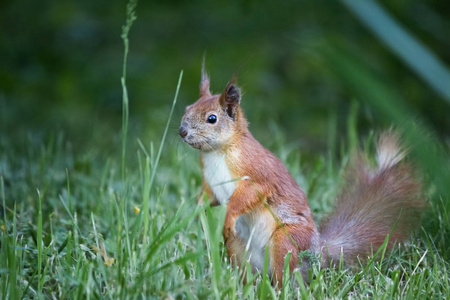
[[82, 225], [79, 238]]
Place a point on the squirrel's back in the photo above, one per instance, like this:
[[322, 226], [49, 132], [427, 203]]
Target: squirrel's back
[[374, 203]]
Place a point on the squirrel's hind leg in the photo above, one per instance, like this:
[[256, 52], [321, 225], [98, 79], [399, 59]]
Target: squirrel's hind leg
[[281, 243], [293, 238]]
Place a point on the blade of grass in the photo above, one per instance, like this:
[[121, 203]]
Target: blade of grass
[[418, 57], [301, 285], [39, 245], [344, 292], [286, 277], [3, 202], [265, 277], [175, 262], [145, 205], [69, 198], [5, 245], [122, 212], [212, 225], [168, 231], [131, 17], [13, 292], [74, 223]]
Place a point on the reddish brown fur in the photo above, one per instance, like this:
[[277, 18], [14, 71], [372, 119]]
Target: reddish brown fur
[[366, 211], [271, 182], [381, 200]]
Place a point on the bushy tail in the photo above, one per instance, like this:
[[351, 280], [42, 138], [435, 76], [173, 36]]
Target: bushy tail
[[374, 203]]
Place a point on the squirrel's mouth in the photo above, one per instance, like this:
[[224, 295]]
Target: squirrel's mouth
[[199, 145], [196, 140], [195, 145]]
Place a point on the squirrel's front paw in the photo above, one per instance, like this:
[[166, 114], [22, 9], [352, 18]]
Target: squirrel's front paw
[[229, 236]]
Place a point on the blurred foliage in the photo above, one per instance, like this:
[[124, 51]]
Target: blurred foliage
[[61, 64]]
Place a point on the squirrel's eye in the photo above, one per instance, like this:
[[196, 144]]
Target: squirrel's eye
[[212, 119]]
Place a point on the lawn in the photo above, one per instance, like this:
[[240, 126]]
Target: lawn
[[82, 230]]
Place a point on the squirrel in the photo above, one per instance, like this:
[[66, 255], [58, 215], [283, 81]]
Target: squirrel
[[265, 207]]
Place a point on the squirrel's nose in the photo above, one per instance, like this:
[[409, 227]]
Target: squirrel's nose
[[183, 133]]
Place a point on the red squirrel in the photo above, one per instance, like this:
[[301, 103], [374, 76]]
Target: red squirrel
[[266, 207]]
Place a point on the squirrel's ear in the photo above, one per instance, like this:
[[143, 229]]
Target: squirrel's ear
[[230, 99], [204, 83]]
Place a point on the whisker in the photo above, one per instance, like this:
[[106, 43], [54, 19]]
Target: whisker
[[205, 141]]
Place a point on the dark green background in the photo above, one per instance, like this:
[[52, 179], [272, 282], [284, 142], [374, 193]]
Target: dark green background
[[61, 63]]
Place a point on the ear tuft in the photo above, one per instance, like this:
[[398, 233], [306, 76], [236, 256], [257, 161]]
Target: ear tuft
[[204, 82]]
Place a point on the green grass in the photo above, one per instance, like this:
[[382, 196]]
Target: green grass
[[59, 242]]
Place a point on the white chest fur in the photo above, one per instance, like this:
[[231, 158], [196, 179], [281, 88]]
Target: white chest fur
[[218, 176], [255, 229]]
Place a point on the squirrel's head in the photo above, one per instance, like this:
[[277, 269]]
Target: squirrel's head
[[213, 121]]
